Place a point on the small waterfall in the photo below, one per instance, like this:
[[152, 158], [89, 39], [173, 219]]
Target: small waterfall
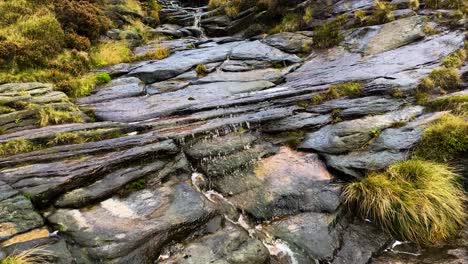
[[197, 21]]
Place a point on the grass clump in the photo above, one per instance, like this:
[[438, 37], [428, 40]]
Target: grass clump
[[102, 78], [66, 139], [414, 200], [159, 53], [328, 34], [335, 91], [444, 139], [430, 30], [458, 104], [455, 59], [382, 13], [440, 4], [201, 70], [445, 78], [15, 146], [32, 256], [290, 22], [292, 138], [48, 115], [109, 53]]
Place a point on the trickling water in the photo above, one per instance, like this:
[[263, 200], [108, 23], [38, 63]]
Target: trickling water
[[197, 21], [276, 247]]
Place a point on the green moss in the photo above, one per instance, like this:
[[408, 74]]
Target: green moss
[[200, 69], [66, 138], [336, 116], [375, 133], [444, 139], [102, 78], [445, 78], [413, 200], [292, 138], [15, 146], [136, 185], [430, 30], [455, 59], [382, 13], [351, 89]]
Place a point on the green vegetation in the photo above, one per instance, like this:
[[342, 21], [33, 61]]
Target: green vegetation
[[455, 59], [290, 22], [15, 146], [430, 30], [31, 256], [49, 115], [102, 78], [109, 53], [159, 53], [201, 70], [292, 138], [136, 185], [328, 34], [444, 139], [381, 13], [66, 138], [447, 4], [414, 200], [335, 91], [58, 41], [458, 104]]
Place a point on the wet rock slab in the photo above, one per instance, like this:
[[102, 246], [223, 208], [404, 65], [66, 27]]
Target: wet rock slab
[[17, 214], [134, 229], [349, 135], [231, 244]]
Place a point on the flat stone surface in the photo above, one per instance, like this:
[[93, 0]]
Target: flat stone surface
[[117, 88], [228, 245], [349, 135], [289, 42], [45, 180], [370, 105], [338, 65], [133, 229], [17, 214], [312, 234]]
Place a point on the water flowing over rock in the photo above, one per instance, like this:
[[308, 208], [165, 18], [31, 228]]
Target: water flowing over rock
[[220, 152]]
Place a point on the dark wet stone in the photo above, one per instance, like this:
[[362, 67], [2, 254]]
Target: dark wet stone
[[289, 42], [134, 229], [371, 105], [228, 245], [17, 214], [350, 135]]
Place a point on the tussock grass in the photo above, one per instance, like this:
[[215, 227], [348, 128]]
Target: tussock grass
[[328, 34], [109, 53], [414, 200], [159, 53], [444, 139], [36, 255]]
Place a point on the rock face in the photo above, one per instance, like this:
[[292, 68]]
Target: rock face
[[229, 162]]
